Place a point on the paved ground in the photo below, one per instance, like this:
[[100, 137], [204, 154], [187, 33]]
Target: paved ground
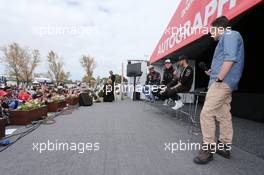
[[131, 138], [248, 134]]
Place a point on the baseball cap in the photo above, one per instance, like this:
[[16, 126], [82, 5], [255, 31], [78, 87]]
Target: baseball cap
[[167, 61], [182, 57], [151, 67]]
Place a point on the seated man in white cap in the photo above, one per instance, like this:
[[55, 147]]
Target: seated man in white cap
[[168, 75]]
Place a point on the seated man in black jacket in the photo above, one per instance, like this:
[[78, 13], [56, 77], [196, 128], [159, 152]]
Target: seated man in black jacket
[[183, 84]]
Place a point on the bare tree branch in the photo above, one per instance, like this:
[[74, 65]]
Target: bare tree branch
[[56, 72], [89, 65], [20, 62]]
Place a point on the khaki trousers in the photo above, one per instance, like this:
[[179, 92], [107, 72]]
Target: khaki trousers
[[217, 107]]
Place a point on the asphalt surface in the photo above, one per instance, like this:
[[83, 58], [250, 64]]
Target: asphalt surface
[[131, 137], [248, 134]]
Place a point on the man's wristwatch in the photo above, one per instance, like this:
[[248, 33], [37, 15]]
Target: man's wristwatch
[[218, 80]]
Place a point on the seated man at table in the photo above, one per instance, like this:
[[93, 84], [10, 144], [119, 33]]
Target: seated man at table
[[152, 82], [181, 85]]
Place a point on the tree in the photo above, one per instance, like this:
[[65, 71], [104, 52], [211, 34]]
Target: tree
[[12, 58], [64, 77], [119, 78], [89, 80], [28, 65], [89, 65], [104, 80], [56, 72], [20, 62]]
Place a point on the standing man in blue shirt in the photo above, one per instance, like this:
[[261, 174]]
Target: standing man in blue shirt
[[225, 73]]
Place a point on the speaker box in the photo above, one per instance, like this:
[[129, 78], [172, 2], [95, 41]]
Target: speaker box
[[134, 70], [137, 95], [85, 99]]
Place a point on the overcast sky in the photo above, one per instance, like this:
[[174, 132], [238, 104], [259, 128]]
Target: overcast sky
[[111, 31]]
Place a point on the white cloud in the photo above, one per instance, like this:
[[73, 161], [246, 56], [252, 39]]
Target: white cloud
[[118, 29]]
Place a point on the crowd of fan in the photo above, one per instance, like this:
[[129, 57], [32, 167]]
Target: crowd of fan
[[12, 98]]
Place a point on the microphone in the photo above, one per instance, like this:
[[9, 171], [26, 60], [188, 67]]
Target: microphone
[[203, 66]]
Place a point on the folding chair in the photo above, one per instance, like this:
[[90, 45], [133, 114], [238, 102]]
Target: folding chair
[[183, 111]]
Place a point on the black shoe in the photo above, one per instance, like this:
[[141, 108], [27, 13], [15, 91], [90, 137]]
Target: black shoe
[[204, 157], [224, 150]]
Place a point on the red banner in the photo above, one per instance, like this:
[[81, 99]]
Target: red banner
[[192, 20]]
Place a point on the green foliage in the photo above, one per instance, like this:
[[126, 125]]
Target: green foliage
[[101, 93], [57, 98], [29, 106], [118, 79]]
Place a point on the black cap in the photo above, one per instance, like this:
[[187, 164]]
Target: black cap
[[183, 57]]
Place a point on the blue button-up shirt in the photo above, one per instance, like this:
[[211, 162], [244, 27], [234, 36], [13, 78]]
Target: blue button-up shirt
[[229, 48]]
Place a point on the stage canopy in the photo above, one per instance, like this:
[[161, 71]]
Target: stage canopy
[[192, 20]]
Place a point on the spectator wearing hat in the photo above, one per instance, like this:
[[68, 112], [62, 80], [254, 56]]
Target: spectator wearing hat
[[153, 79]]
